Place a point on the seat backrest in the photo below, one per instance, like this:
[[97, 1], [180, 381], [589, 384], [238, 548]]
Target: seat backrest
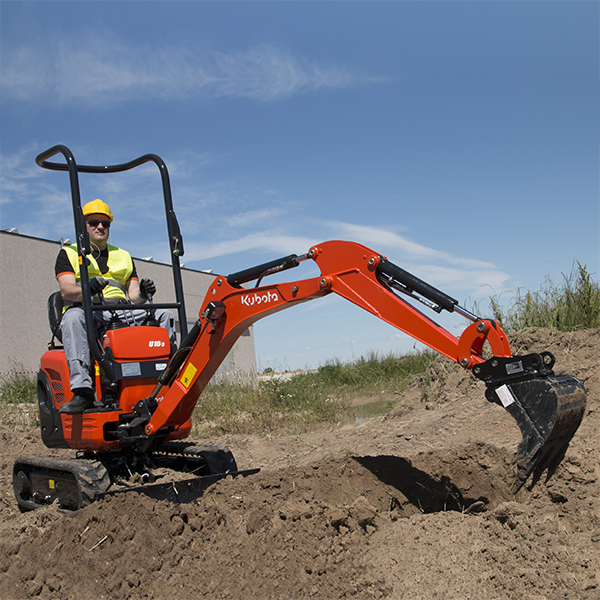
[[55, 312]]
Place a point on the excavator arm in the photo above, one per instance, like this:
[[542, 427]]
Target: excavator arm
[[548, 409]]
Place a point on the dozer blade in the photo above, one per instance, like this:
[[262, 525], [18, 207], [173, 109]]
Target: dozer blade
[[548, 410], [180, 492]]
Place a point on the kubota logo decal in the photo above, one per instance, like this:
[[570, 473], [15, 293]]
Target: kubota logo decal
[[253, 299]]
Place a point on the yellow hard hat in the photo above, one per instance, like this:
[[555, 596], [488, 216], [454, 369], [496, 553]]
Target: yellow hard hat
[[97, 207]]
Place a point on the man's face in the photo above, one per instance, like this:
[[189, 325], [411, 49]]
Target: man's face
[[98, 228]]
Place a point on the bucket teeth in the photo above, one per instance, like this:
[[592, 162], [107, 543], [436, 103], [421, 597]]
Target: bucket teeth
[[548, 411]]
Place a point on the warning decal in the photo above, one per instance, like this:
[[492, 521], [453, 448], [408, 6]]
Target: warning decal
[[188, 375], [505, 395]]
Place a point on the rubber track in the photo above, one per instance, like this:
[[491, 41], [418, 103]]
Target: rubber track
[[91, 475], [218, 459]]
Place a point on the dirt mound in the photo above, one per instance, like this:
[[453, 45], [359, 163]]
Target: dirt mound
[[414, 505]]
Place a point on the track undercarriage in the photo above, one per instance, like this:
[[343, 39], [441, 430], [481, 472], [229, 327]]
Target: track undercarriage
[[177, 469]]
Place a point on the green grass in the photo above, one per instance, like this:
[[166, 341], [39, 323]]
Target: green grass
[[326, 396], [571, 305], [18, 399], [295, 404], [17, 387]]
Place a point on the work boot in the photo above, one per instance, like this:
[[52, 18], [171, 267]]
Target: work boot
[[83, 399]]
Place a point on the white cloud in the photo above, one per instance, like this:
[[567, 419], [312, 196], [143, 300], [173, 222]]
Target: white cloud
[[387, 239], [262, 241], [481, 282], [440, 269], [250, 218], [101, 70], [216, 217], [477, 279]]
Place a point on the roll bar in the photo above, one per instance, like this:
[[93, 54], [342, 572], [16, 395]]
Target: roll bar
[[83, 241]]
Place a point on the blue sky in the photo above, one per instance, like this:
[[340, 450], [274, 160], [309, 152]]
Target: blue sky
[[460, 139]]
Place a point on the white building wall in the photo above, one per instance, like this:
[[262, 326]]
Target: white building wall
[[27, 280]]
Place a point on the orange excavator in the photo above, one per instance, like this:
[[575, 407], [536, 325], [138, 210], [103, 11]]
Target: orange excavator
[[136, 431]]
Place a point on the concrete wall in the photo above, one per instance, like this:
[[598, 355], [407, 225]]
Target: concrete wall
[[27, 279]]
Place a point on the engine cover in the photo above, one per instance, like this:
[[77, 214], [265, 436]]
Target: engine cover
[[138, 343]]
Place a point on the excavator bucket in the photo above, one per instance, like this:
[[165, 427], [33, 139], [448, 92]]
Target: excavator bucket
[[548, 409]]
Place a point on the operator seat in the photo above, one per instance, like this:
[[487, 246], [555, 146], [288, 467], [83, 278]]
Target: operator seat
[[55, 313], [56, 306]]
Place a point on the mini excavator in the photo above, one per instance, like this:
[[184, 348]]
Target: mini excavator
[[145, 397]]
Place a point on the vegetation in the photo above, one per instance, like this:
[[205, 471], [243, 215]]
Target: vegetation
[[18, 387], [18, 398], [322, 396], [327, 395], [572, 305]]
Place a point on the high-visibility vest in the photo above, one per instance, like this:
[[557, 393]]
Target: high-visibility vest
[[120, 268]]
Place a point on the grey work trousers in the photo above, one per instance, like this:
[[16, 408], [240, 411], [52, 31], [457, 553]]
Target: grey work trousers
[[75, 342]]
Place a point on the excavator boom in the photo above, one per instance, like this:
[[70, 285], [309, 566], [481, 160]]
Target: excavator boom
[[547, 409]]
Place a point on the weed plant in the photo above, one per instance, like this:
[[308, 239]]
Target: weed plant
[[572, 305], [18, 399], [389, 372], [18, 387], [320, 397]]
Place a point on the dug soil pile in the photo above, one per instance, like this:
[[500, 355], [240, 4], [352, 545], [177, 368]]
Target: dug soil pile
[[416, 505]]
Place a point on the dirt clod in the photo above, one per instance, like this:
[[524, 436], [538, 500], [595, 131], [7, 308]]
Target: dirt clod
[[414, 505]]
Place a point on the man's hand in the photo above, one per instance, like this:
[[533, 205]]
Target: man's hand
[[147, 289], [97, 284]]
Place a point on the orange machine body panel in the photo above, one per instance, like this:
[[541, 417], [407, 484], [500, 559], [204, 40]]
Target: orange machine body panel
[[138, 343], [129, 346]]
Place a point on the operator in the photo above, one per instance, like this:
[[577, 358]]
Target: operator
[[113, 274]]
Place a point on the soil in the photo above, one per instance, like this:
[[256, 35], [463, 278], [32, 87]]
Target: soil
[[414, 505]]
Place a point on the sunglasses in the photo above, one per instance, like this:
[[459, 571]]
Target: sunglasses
[[95, 223]]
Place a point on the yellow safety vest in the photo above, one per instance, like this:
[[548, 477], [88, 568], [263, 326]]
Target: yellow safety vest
[[120, 268]]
